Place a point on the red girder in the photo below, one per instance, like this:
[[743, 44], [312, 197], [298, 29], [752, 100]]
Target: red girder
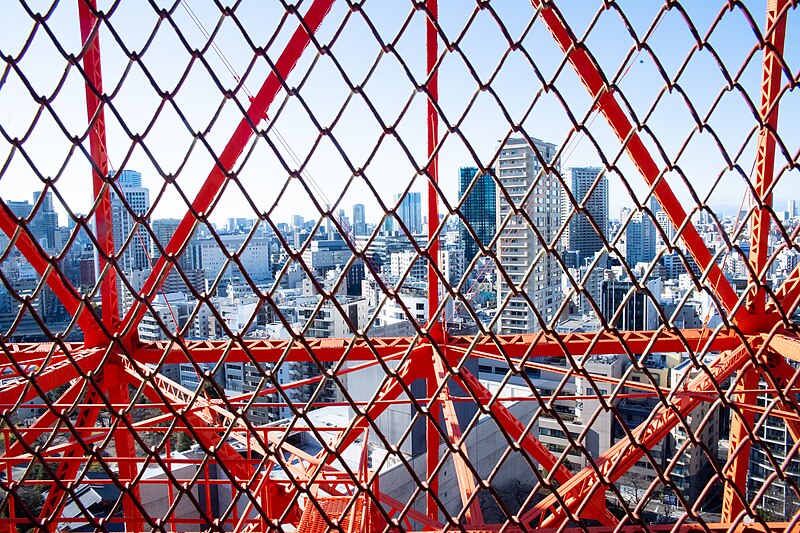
[[67, 470], [624, 454], [515, 346], [54, 375], [774, 34], [466, 480], [97, 142], [592, 77], [44, 265], [733, 499]]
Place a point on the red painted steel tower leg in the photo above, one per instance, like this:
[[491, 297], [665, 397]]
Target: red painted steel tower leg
[[119, 396], [90, 36], [434, 325], [775, 34], [739, 451]]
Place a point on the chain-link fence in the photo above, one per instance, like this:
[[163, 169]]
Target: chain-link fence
[[366, 265]]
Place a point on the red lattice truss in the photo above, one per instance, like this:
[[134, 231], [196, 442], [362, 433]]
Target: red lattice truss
[[276, 485]]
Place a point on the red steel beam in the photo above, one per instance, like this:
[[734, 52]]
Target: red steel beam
[[432, 56], [515, 430], [45, 265], [514, 346], [775, 34], [216, 180], [90, 36], [56, 374], [739, 450], [68, 470], [124, 445], [618, 459], [48, 418], [785, 345], [591, 76], [431, 432], [788, 294], [466, 481]]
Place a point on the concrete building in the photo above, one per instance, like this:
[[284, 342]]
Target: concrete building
[[519, 169], [45, 222], [628, 309], [135, 202], [779, 498], [590, 190], [640, 236], [254, 257]]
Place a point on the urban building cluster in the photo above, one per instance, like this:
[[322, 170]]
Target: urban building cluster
[[532, 246]]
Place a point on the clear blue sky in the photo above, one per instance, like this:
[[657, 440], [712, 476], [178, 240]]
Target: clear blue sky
[[168, 140]]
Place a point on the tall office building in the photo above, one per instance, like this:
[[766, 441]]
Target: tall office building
[[137, 254], [479, 210], [359, 220], [582, 237], [641, 235], [519, 169], [45, 222], [410, 212]]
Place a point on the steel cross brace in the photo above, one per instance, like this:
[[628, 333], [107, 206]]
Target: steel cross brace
[[90, 37], [591, 76], [612, 464]]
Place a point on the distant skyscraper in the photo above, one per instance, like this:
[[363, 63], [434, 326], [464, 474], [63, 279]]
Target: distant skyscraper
[[518, 169], [791, 207], [640, 239], [410, 212], [582, 237], [137, 253], [45, 222], [20, 209], [359, 220], [479, 210]]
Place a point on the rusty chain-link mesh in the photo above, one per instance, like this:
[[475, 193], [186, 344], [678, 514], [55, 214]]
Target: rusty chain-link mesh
[[571, 304]]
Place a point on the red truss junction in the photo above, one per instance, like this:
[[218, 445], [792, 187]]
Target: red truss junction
[[535, 383]]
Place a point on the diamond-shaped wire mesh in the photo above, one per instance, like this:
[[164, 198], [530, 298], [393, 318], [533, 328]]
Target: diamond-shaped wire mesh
[[566, 296]]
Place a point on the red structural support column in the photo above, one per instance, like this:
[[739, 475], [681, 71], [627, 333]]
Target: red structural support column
[[119, 396], [775, 35], [90, 37], [219, 175], [735, 495], [432, 55]]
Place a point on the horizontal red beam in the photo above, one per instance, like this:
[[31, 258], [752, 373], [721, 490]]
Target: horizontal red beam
[[330, 350], [514, 346]]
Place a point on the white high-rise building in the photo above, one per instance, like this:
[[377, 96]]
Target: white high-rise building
[[137, 254], [519, 169]]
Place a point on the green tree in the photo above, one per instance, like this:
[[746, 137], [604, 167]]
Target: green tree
[[183, 442]]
